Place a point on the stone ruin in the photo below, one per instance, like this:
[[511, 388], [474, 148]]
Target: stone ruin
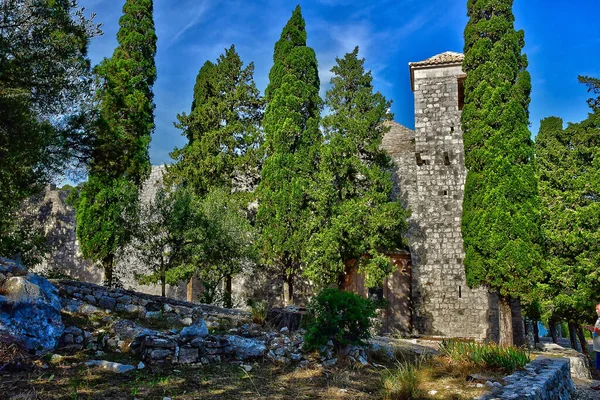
[[428, 292]]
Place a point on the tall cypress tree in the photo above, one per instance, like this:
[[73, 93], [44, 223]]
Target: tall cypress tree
[[500, 224], [292, 139], [120, 160], [354, 216]]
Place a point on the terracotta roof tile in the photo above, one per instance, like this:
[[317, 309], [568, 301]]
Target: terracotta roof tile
[[449, 57]]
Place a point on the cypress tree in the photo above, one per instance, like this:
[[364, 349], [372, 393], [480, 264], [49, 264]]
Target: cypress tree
[[500, 224], [354, 216], [292, 139], [120, 160]]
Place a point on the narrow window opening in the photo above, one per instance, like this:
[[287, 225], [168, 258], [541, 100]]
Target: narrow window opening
[[451, 129], [419, 159], [446, 158], [461, 92], [459, 292]]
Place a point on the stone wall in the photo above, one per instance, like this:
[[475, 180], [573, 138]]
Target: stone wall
[[542, 379], [430, 178], [145, 306]]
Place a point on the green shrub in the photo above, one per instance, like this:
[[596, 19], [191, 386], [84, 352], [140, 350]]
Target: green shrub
[[485, 355], [339, 316]]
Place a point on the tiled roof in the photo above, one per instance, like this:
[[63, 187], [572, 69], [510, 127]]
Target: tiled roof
[[449, 57]]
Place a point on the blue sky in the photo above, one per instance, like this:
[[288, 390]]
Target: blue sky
[[562, 41]]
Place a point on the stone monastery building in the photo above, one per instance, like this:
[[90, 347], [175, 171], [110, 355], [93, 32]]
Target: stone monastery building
[[427, 294]]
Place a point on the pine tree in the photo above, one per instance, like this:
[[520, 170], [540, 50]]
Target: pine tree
[[500, 224], [292, 139], [120, 160], [354, 217], [223, 128]]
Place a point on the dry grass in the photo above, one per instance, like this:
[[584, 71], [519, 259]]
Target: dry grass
[[431, 377], [70, 380]]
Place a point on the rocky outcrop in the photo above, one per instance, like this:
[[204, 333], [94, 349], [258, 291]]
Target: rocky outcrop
[[29, 308]]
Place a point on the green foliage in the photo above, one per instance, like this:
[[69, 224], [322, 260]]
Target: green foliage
[[164, 231], [568, 164], [485, 355], [44, 90], [120, 160], [259, 310], [226, 243], [291, 125], [106, 215], [126, 98], [223, 129], [340, 316], [354, 216], [500, 224]]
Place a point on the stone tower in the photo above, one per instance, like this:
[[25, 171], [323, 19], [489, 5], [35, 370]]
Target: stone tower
[[430, 177]]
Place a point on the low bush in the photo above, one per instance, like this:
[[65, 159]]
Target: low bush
[[485, 355], [340, 316]]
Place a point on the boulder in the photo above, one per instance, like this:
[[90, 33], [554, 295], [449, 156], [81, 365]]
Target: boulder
[[199, 329], [245, 348], [29, 308], [110, 366]]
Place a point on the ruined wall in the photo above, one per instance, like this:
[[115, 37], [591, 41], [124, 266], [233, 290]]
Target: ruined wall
[[57, 220], [443, 303]]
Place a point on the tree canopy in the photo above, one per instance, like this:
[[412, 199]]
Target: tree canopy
[[223, 128], [45, 88], [354, 216], [292, 140], [500, 224], [568, 164], [120, 160]]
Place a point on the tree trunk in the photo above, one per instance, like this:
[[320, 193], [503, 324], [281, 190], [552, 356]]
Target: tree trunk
[[536, 332], [519, 337], [227, 300], [583, 343], [190, 290], [163, 284], [108, 270], [506, 325], [288, 291], [552, 327], [573, 336]]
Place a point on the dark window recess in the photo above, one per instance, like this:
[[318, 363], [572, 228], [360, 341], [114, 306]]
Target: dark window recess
[[459, 292], [446, 158], [443, 193], [376, 294], [419, 159], [451, 129], [461, 92]]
